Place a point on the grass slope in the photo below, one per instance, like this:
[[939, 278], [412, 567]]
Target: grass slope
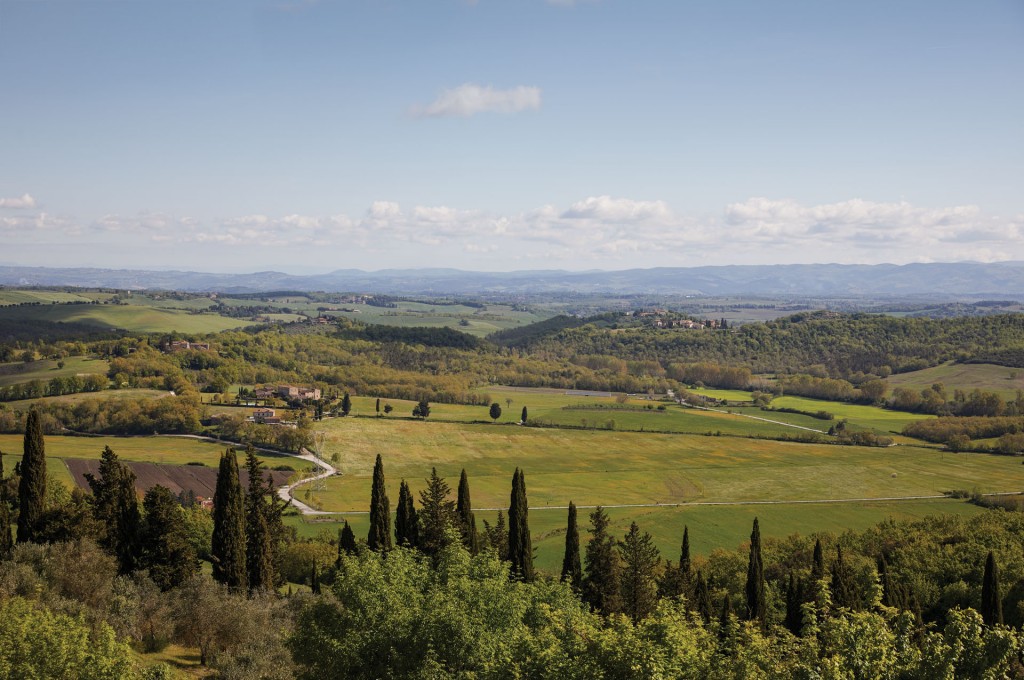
[[989, 377], [46, 369], [134, 318]]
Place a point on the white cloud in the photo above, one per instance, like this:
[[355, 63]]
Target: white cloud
[[593, 232], [470, 99], [24, 201]]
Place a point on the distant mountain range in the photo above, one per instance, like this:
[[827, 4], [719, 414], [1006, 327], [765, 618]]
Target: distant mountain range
[[951, 280]]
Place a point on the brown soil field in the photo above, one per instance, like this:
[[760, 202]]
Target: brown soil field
[[199, 478]]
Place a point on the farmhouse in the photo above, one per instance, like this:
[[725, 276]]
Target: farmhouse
[[265, 415], [181, 345], [303, 393]]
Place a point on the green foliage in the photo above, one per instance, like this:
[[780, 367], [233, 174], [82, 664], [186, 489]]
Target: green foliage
[[32, 488], [379, 537], [260, 515], [437, 515], [467, 521], [116, 508], [601, 567], [495, 411], [991, 598], [228, 544], [38, 643], [407, 526], [520, 546], [640, 559], [572, 571], [166, 552], [755, 588]]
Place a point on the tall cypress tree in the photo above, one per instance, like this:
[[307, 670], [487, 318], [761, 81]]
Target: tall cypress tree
[[379, 537], [794, 603], [116, 507], [756, 603], [685, 565], [601, 567], [227, 547], [702, 603], [259, 543], [520, 546], [32, 488], [991, 600], [407, 524], [842, 585], [572, 572], [497, 536], [464, 509], [522, 418], [817, 562]]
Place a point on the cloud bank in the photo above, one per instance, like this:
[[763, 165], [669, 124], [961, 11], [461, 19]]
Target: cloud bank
[[594, 232], [470, 99]]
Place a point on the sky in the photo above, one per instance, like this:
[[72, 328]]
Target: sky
[[306, 136]]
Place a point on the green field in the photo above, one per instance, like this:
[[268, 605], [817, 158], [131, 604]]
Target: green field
[[46, 369], [711, 527], [23, 404], [874, 418], [130, 317], [612, 468], [988, 377], [9, 296]]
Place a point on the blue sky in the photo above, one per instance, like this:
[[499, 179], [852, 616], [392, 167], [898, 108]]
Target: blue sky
[[312, 135]]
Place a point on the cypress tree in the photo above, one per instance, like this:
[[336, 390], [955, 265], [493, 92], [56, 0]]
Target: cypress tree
[[314, 579], [32, 488], [166, 550], [377, 408], [572, 572], [794, 604], [227, 547], [379, 537], [520, 546], [522, 418], [640, 559], [346, 542], [259, 548], [892, 594], [755, 578], [842, 586], [407, 523], [685, 564], [726, 624], [702, 597], [116, 507], [601, 567], [464, 509], [346, 404], [818, 562], [991, 600]]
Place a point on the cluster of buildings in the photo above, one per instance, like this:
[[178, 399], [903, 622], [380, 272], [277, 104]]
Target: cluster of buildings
[[662, 318], [182, 345], [288, 392]]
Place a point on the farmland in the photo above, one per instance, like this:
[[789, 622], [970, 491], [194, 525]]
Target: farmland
[[47, 369], [135, 318], [1002, 380]]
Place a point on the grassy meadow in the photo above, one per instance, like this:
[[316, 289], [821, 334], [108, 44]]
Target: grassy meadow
[[46, 369], [988, 377], [131, 317]]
